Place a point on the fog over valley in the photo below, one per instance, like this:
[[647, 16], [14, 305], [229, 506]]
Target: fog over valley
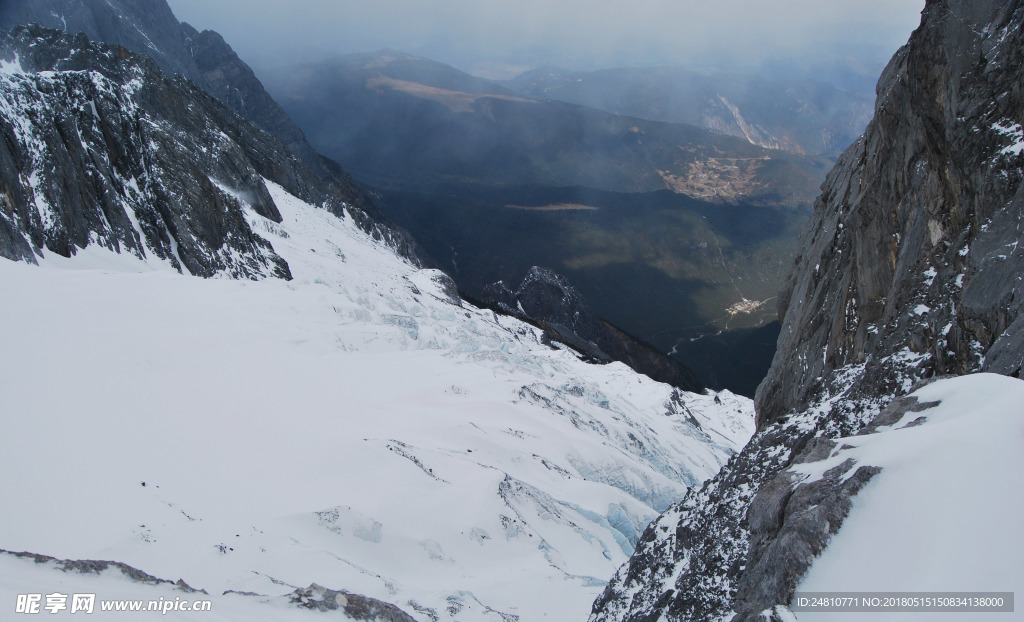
[[502, 39]]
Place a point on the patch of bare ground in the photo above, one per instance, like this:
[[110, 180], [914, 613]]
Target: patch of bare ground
[[717, 179], [556, 207], [456, 101]]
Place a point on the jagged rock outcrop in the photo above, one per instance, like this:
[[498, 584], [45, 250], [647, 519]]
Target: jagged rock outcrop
[[910, 270], [149, 27], [94, 566], [317, 597], [550, 301], [144, 26], [355, 606], [100, 147], [221, 73]]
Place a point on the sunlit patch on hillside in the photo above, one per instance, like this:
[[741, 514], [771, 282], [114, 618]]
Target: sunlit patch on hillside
[[456, 101], [556, 207]]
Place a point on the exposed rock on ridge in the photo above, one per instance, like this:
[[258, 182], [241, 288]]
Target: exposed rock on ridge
[[911, 270], [93, 566], [100, 147], [149, 27], [550, 301], [355, 606]]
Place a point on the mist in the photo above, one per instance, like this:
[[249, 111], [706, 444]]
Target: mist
[[501, 39]]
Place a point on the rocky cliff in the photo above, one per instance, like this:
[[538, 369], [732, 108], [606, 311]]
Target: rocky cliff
[[912, 246], [101, 147], [149, 27], [910, 270]]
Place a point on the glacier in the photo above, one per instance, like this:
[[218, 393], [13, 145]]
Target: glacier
[[355, 427]]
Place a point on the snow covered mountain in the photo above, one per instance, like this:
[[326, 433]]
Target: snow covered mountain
[[910, 272], [334, 415], [149, 27], [103, 148]]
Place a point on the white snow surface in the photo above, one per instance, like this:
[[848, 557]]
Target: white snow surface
[[352, 428], [1014, 132], [941, 514]]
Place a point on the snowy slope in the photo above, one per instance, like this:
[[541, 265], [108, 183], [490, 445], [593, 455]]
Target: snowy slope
[[355, 427], [941, 513]]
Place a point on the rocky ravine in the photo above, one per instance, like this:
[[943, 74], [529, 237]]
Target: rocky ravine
[[911, 271]]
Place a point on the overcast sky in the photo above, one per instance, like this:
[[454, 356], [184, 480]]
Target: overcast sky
[[495, 36]]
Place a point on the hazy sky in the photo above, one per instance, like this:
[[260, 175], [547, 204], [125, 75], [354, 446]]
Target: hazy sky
[[494, 36]]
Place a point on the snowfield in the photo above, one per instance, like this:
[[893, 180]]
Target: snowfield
[[356, 428], [942, 513]]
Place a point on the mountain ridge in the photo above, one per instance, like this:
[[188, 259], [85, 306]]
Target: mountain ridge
[[149, 27], [493, 136], [802, 116]]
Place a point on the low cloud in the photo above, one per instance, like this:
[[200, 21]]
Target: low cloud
[[583, 34]]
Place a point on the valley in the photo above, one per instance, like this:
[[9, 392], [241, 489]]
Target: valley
[[659, 265], [673, 226]]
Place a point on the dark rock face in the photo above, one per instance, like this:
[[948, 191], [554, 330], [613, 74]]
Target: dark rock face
[[144, 26], [448, 288], [355, 606], [545, 294], [910, 271], [222, 74], [149, 27], [912, 245], [789, 526], [550, 301]]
